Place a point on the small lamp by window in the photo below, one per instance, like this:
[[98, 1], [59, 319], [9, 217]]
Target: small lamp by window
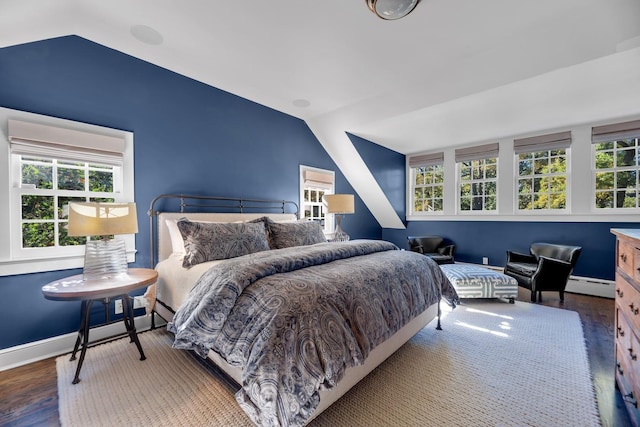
[[339, 204], [106, 256]]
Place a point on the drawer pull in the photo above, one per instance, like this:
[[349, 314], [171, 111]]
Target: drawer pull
[[619, 367], [634, 310], [629, 398], [620, 331], [619, 292], [623, 257], [633, 356]]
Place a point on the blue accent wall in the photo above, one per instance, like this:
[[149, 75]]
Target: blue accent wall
[[188, 138]]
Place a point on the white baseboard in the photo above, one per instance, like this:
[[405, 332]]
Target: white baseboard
[[13, 357], [590, 286], [579, 285]]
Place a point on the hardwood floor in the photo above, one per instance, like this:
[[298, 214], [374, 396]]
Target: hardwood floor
[[29, 393]]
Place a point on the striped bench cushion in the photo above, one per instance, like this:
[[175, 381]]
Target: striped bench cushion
[[472, 281]]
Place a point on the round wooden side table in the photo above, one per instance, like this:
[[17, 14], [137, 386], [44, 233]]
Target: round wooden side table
[[103, 289]]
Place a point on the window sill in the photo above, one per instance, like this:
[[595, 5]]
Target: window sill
[[25, 266], [520, 217]]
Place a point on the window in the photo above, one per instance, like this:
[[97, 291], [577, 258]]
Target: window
[[616, 165], [315, 183], [427, 183], [478, 178], [49, 167], [47, 186], [541, 179]]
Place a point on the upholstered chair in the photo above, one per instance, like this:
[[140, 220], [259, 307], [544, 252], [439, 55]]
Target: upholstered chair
[[433, 247], [546, 268]]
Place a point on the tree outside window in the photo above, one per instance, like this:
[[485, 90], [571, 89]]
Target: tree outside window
[[478, 184], [542, 180], [47, 186], [428, 188], [616, 174]]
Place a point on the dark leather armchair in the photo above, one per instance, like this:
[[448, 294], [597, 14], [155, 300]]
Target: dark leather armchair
[[433, 247], [546, 268]]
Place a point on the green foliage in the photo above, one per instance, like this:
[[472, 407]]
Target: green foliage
[[617, 176], [44, 211], [428, 188], [542, 182]]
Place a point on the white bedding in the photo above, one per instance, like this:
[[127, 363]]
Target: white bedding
[[175, 281]]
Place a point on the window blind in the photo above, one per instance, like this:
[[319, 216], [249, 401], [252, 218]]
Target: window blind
[[477, 153], [318, 179], [615, 131], [60, 143], [426, 159], [552, 141]]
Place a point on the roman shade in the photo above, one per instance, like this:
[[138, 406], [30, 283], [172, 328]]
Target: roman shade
[[552, 141], [318, 179], [59, 143], [615, 132], [477, 153], [426, 159]]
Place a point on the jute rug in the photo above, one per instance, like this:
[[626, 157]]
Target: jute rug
[[493, 364]]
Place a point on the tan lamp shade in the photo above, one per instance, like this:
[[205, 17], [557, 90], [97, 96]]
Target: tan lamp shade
[[102, 219], [340, 203]]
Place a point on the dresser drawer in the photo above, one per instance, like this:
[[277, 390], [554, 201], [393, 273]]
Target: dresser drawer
[[626, 254], [625, 377], [628, 301]]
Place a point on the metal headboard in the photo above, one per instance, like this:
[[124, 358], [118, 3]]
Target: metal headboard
[[184, 203]]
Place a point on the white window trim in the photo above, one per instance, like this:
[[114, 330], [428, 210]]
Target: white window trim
[[411, 193], [329, 220], [537, 212], [592, 199], [580, 183], [10, 264], [473, 213]]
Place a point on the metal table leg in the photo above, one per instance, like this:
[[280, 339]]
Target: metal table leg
[[129, 323], [84, 333]]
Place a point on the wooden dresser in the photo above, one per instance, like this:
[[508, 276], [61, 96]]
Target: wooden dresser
[[627, 332]]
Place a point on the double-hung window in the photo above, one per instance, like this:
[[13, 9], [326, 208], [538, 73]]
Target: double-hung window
[[541, 180], [51, 167], [427, 183], [315, 183], [478, 178], [616, 165]]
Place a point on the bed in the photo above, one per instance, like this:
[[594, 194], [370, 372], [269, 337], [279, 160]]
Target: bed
[[295, 322]]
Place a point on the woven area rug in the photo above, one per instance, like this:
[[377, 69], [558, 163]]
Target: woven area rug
[[493, 364]]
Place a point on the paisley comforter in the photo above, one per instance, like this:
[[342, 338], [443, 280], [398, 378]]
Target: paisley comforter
[[296, 318]]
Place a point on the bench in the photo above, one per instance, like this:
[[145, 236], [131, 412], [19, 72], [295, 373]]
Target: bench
[[472, 281]]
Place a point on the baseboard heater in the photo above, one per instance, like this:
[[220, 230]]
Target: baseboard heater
[[590, 286], [583, 285]]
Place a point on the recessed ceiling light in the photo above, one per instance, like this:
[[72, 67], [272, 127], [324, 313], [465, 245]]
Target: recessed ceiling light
[[146, 34], [302, 103]]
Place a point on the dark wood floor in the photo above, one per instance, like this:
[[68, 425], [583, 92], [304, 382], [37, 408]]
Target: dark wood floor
[[28, 394]]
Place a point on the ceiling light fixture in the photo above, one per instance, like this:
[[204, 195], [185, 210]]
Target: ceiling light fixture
[[392, 9]]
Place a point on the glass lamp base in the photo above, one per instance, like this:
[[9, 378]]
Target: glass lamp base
[[339, 235], [105, 258]]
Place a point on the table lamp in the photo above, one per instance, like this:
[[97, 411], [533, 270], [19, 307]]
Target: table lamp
[[105, 256], [339, 204]]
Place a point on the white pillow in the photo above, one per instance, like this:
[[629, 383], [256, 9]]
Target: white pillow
[[177, 242]]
